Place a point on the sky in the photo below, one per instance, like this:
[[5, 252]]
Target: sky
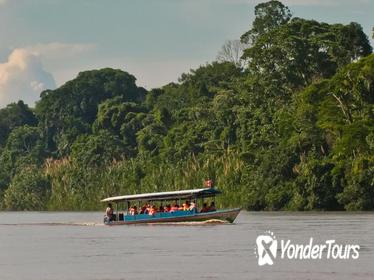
[[44, 43]]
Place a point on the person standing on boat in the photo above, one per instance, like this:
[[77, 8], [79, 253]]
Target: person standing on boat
[[109, 212], [208, 183]]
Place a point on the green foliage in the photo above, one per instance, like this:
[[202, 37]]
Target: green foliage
[[12, 116], [269, 16], [358, 193], [337, 116], [70, 110], [81, 187], [299, 52], [29, 190], [23, 147], [97, 149]]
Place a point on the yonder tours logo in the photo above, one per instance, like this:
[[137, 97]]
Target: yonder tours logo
[[267, 247]]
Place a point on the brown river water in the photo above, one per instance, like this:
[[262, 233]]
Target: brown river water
[[75, 245]]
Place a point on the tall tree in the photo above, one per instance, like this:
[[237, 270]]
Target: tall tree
[[268, 16], [301, 51], [70, 110], [232, 51]]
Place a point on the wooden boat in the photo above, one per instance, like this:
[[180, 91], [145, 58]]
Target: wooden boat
[[196, 196]]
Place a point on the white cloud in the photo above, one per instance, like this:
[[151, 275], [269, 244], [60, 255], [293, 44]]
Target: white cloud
[[23, 77], [58, 57]]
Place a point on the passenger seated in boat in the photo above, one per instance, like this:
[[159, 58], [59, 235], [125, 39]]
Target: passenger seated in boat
[[174, 208], [152, 210], [149, 207], [161, 209], [167, 208], [186, 206], [205, 208], [145, 209], [109, 213], [134, 210], [212, 207], [192, 206]]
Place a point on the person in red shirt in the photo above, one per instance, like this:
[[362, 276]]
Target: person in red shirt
[[167, 208], [174, 208]]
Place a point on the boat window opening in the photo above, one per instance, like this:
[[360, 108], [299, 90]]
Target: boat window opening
[[162, 206]]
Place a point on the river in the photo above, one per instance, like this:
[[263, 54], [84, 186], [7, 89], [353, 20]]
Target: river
[[75, 245]]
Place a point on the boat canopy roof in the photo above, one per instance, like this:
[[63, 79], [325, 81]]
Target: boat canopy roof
[[206, 192]]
